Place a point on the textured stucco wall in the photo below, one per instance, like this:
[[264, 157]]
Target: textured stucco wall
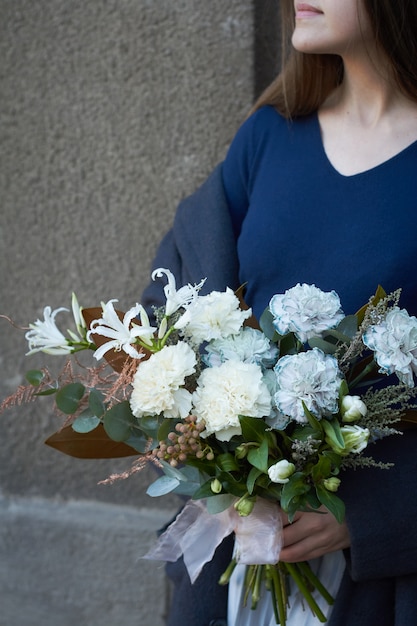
[[110, 112]]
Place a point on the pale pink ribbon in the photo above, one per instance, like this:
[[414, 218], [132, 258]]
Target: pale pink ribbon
[[196, 533]]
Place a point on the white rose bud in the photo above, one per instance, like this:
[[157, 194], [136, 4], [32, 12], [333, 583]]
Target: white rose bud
[[352, 408], [281, 471], [332, 483]]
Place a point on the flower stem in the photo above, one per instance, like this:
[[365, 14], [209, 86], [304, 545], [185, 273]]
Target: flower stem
[[279, 595], [295, 574], [308, 573]]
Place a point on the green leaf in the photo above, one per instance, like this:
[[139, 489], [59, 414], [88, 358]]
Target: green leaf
[[68, 397], [333, 432], [86, 422], [96, 403], [118, 421], [253, 429], [252, 477], [332, 502], [204, 491], [47, 392], [289, 344], [293, 490], [258, 457], [227, 462], [322, 469], [315, 424], [35, 377]]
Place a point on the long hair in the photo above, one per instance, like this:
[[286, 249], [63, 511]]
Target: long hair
[[306, 80]]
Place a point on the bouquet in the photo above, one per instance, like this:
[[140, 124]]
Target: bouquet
[[246, 419]]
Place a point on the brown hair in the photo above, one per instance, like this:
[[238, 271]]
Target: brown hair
[[307, 79]]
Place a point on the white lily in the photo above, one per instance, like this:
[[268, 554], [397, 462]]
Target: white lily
[[176, 299], [44, 335], [122, 333]]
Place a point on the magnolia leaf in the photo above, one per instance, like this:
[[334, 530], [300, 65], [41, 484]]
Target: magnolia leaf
[[258, 457], [118, 421], [68, 397], [162, 486], [85, 422], [35, 377], [93, 445]]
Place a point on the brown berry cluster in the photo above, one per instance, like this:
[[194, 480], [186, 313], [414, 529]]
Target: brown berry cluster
[[183, 442]]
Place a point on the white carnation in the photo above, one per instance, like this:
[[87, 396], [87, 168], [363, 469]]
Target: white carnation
[[312, 378], [157, 384], [227, 391], [306, 311], [394, 342], [214, 316], [249, 346]]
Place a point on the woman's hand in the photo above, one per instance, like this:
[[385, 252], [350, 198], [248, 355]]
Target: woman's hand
[[311, 535]]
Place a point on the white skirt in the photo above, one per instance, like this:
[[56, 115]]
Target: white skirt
[[329, 569]]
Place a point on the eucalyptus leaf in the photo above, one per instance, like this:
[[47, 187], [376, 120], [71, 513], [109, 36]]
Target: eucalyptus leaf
[[96, 403], [162, 486], [266, 323], [325, 346], [149, 424], [348, 326], [139, 442], [68, 397], [219, 503], [85, 423], [118, 421], [35, 377]]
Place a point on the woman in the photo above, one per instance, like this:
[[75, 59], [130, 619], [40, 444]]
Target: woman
[[319, 186]]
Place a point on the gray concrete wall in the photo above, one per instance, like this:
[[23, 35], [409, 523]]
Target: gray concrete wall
[[110, 112]]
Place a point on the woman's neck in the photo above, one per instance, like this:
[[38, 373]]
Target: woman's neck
[[367, 119]]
